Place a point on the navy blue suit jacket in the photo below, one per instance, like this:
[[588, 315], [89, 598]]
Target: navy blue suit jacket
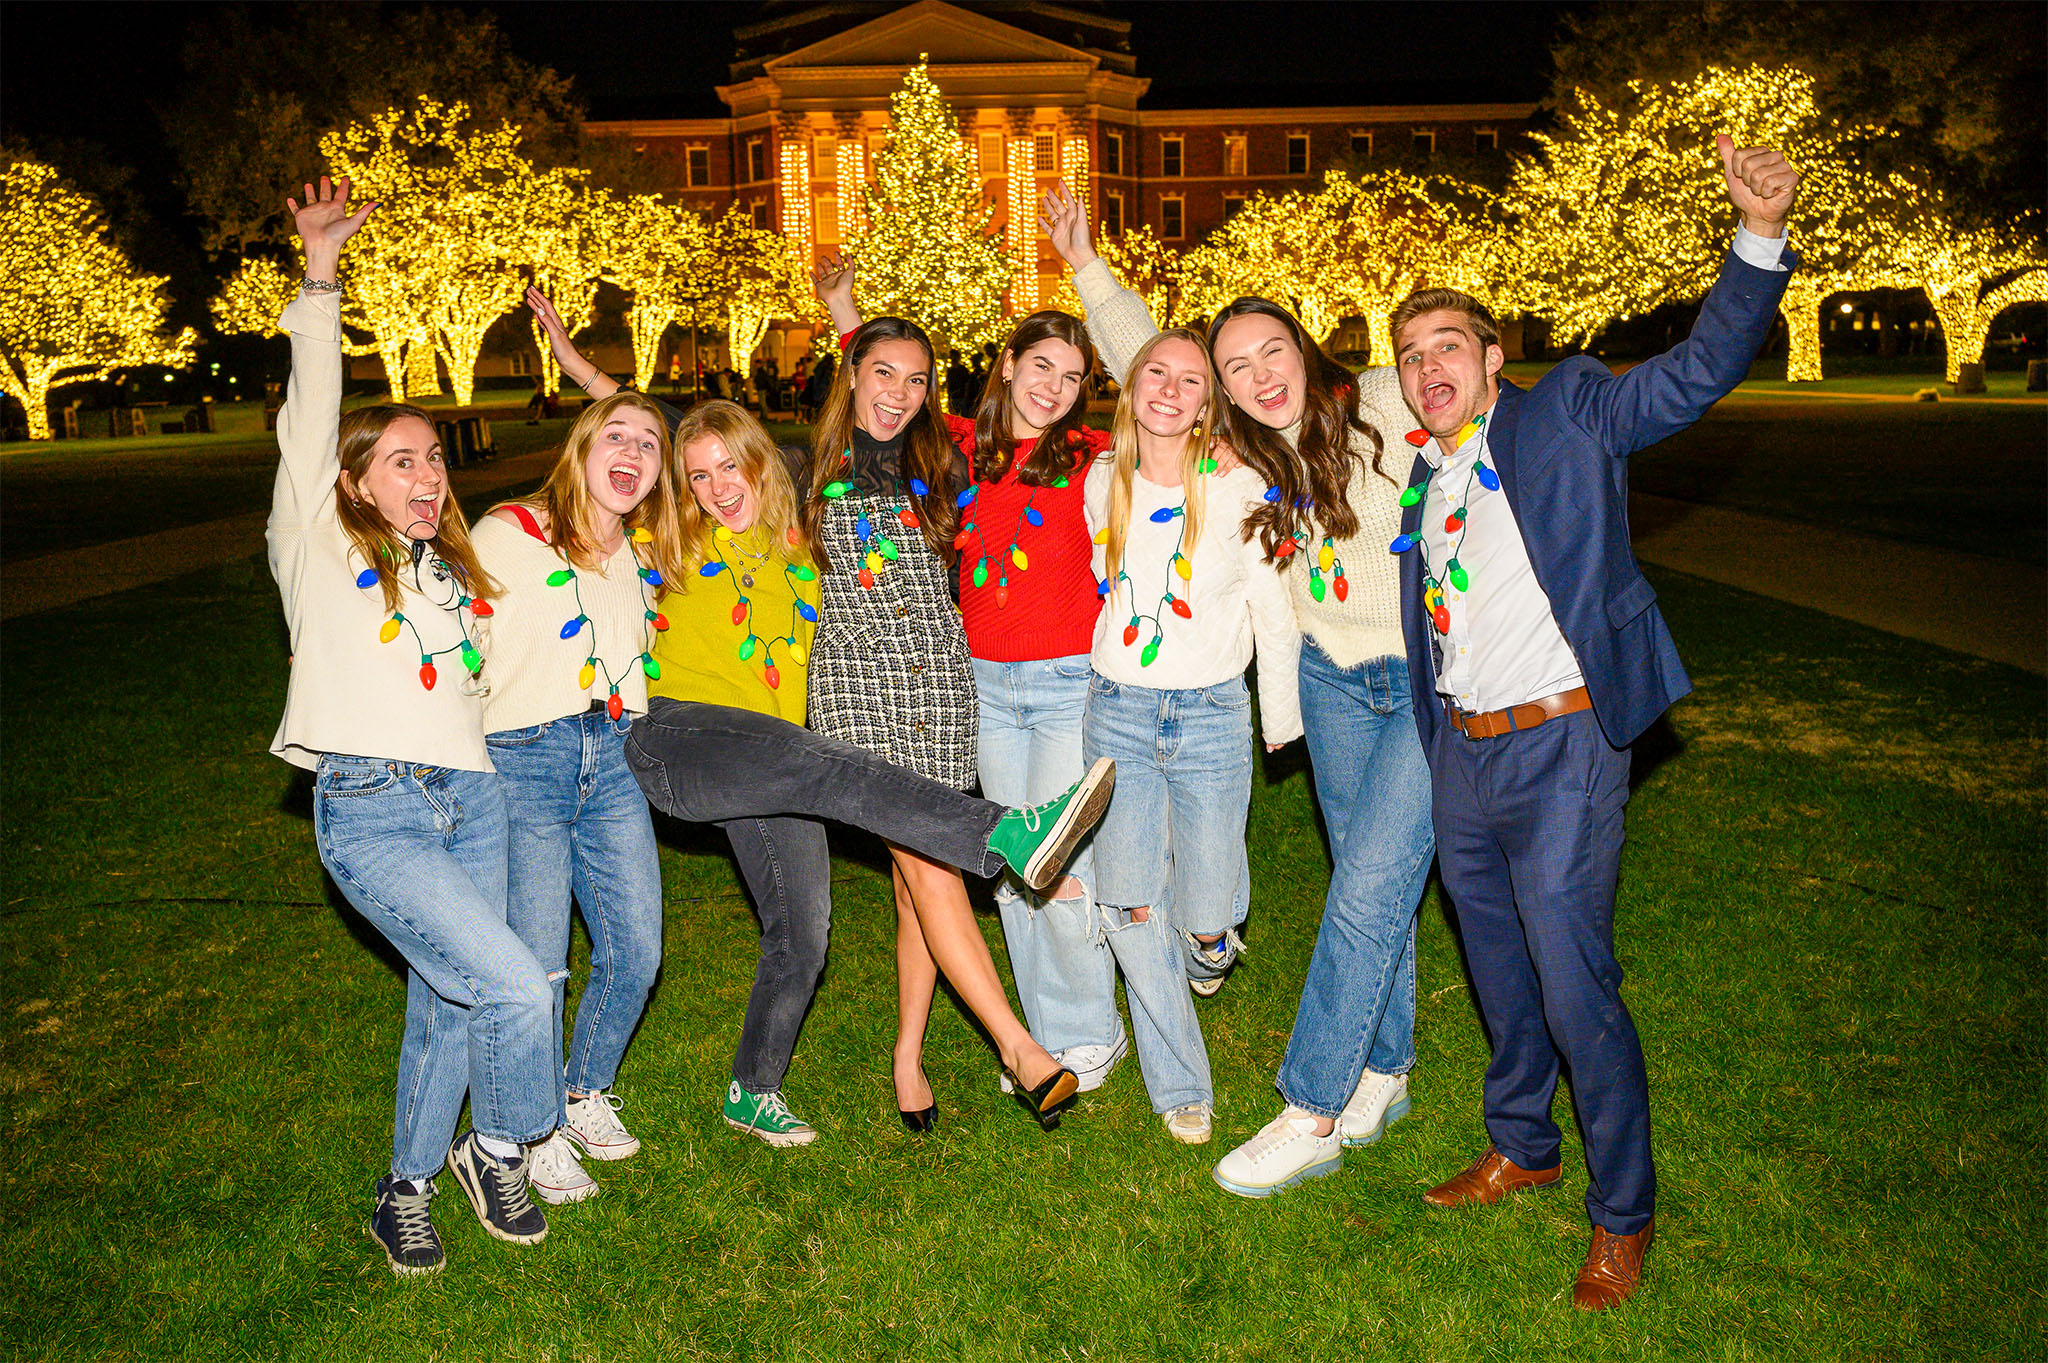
[[1561, 450]]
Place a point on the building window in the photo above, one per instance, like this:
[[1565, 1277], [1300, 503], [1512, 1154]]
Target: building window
[[1233, 154], [1112, 153], [1232, 203], [1361, 146], [825, 213], [1297, 154], [761, 215], [824, 156], [1485, 140], [1425, 142], [1047, 153], [1169, 156], [1172, 221], [991, 154], [1112, 214], [698, 172], [522, 364], [757, 160]]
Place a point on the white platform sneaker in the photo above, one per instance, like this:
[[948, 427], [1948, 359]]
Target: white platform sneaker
[[1377, 1103], [1286, 1151]]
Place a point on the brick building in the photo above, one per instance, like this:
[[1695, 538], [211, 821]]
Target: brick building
[[1043, 93]]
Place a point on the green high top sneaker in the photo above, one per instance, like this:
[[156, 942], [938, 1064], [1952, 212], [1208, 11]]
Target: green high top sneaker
[[766, 1116], [1039, 842]]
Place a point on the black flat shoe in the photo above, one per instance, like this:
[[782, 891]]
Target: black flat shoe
[[1043, 1102], [920, 1122]]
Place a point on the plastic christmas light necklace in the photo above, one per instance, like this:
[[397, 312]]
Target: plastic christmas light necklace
[[472, 661], [1177, 564], [1015, 556], [742, 578], [878, 551], [592, 663], [1454, 522]]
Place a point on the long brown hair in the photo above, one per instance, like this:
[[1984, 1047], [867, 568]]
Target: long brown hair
[[1058, 451], [753, 450], [376, 542], [928, 452], [1123, 454], [1313, 478], [565, 496]]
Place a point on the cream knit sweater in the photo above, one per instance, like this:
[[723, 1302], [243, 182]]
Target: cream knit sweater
[[350, 693], [1367, 624]]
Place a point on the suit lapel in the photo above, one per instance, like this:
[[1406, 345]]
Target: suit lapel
[[1500, 444]]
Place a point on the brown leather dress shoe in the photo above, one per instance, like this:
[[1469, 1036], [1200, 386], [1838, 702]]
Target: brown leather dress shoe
[[1490, 1178], [1613, 1269]]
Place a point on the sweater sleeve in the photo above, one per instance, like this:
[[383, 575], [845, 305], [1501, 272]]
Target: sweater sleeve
[[1277, 640], [308, 425], [1117, 317]]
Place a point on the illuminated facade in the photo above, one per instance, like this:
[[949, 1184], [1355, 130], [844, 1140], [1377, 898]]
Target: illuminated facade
[[807, 119]]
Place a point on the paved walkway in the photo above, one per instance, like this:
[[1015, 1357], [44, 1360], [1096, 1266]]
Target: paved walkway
[[1986, 607]]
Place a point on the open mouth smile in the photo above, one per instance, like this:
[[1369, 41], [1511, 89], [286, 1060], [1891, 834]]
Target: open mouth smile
[[1273, 399], [1437, 396], [625, 479]]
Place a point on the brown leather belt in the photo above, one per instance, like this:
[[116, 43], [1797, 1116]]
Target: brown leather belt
[[1494, 723]]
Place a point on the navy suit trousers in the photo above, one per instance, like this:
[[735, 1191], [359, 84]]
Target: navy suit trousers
[[1528, 836]]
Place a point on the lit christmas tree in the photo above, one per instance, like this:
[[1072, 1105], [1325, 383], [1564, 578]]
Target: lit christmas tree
[[1971, 272], [928, 252], [72, 307], [759, 279], [660, 254]]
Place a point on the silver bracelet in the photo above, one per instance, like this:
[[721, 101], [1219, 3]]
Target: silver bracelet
[[320, 285]]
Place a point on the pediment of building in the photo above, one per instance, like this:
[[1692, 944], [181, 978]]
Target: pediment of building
[[944, 34]]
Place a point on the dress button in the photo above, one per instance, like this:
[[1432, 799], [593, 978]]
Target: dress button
[[899, 611], [917, 667]]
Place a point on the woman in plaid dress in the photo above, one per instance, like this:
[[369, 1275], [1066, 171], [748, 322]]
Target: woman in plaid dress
[[890, 673]]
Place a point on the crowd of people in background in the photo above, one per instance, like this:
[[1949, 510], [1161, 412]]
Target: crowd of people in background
[[1427, 565]]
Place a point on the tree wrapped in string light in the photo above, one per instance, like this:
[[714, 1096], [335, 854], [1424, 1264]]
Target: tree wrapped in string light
[[759, 278], [1283, 248], [661, 255], [1971, 271], [564, 249], [1142, 263], [1625, 208], [929, 252], [73, 309]]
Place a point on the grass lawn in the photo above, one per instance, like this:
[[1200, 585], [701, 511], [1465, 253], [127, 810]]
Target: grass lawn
[[1831, 915]]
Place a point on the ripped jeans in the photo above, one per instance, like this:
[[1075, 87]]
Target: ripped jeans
[[580, 824], [1172, 844], [1029, 752]]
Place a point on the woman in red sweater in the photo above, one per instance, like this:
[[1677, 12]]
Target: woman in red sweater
[[1028, 601]]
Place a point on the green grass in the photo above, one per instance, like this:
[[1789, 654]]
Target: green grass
[[1830, 916]]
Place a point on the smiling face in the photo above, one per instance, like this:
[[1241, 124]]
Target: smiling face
[[1170, 388], [889, 385], [1447, 376], [1262, 368], [1044, 383], [623, 461], [404, 478], [720, 485]]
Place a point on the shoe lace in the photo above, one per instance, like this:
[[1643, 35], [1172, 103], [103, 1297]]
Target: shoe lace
[[597, 1115], [553, 1159], [409, 1218], [508, 1180], [770, 1109], [1609, 1258], [1276, 1133]]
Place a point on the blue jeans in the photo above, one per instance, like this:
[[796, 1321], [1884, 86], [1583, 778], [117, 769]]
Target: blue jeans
[[579, 823], [1030, 751], [1358, 1002], [1173, 840], [420, 852]]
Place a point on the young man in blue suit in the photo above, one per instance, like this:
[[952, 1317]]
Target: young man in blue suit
[[1526, 616]]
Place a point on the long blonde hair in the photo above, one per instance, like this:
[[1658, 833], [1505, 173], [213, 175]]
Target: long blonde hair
[[565, 496], [379, 545], [760, 463], [1123, 453]]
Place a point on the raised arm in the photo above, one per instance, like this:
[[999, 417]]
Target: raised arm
[[1117, 317], [832, 282], [308, 422], [1277, 639], [1664, 395], [568, 358]]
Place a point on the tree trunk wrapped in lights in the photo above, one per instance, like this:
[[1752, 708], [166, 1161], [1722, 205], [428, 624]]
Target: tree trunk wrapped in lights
[[1624, 209], [72, 307], [564, 249], [929, 252], [1971, 271], [440, 260], [660, 255], [760, 280]]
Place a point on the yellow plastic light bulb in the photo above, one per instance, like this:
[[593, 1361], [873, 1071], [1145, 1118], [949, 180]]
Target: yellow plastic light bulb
[[1017, 557], [1326, 558], [586, 677], [1102, 535], [874, 563], [389, 632], [1183, 567], [642, 535], [724, 535]]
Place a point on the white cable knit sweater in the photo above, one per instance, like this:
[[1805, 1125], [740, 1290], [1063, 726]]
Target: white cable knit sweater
[[1367, 624]]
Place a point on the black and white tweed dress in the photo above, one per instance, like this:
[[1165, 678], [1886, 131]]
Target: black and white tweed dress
[[889, 664]]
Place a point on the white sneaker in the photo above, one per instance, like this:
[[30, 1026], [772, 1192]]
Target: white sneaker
[[1214, 960], [1286, 1151], [594, 1125], [556, 1174], [1090, 1064], [1190, 1125], [1377, 1103]]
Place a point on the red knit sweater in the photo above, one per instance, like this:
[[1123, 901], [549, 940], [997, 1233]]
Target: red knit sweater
[[1048, 608]]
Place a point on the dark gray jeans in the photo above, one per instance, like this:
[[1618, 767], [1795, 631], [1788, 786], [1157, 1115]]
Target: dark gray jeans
[[762, 780]]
